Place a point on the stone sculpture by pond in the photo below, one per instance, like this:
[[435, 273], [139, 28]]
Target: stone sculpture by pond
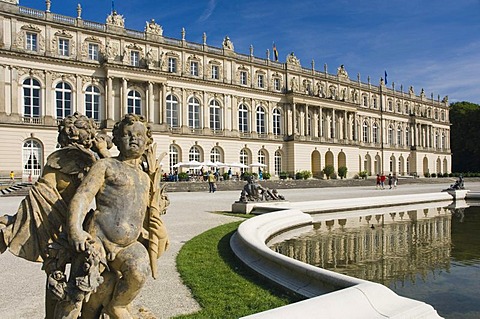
[[110, 249]]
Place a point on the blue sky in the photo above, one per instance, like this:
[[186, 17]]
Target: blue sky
[[430, 44]]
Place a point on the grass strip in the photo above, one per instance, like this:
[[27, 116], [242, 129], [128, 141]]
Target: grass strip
[[223, 286]]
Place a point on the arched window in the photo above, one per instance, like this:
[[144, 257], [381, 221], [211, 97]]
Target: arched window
[[243, 118], [215, 155], [390, 135], [63, 99], [277, 159], [194, 154], [31, 98], [277, 122], [365, 100], [365, 132], [375, 132], [134, 102], [92, 102], [193, 113], [399, 107], [390, 105], [399, 135], [215, 115], [262, 157], [244, 158], [172, 111], [173, 156], [309, 125], [32, 154], [260, 120]]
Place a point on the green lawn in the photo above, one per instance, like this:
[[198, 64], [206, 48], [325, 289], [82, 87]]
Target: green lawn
[[221, 284]]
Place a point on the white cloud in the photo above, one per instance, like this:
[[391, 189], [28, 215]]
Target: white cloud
[[208, 11]]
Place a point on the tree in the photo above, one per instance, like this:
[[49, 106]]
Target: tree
[[328, 171], [464, 136], [342, 172]]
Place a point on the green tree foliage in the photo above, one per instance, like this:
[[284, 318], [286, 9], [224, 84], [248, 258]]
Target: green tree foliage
[[328, 171], [465, 136], [342, 172]]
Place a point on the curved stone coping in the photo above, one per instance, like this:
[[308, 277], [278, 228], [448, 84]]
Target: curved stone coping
[[249, 244]]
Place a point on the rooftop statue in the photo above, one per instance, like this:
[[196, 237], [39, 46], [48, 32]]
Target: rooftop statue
[[109, 248], [227, 44], [116, 19], [153, 27], [341, 72]]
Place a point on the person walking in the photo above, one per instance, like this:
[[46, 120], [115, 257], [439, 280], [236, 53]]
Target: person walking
[[211, 182], [390, 180], [382, 181], [378, 181]]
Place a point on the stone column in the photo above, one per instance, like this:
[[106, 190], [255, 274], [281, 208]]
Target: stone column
[[110, 111], [150, 106], [320, 119], [305, 129], [123, 98], [334, 124]]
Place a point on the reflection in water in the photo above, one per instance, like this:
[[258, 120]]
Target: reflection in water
[[423, 254]]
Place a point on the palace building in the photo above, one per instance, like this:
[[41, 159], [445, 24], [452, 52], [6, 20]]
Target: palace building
[[204, 103]]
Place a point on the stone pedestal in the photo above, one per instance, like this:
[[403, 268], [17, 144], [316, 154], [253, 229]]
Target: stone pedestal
[[265, 206]]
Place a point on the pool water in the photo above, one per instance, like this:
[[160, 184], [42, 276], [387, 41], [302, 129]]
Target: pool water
[[429, 254]]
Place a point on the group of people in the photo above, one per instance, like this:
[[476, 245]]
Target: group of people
[[392, 181]]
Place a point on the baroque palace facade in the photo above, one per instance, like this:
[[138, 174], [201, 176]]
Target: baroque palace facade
[[204, 103]]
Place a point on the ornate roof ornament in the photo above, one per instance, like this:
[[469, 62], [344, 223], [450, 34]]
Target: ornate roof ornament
[[153, 28], [116, 19], [292, 59], [342, 73], [227, 44]]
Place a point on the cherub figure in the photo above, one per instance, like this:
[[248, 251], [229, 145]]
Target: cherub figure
[[122, 191]]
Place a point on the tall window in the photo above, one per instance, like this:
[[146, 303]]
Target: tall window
[[365, 100], [260, 120], [194, 68], [309, 125], [63, 99], [399, 107], [215, 155], [244, 158], [93, 51], [390, 135], [243, 78], [31, 41], [31, 98], [390, 105], [374, 102], [407, 137], [215, 72], [134, 102], [261, 81], [277, 122], [276, 84], [399, 135], [194, 153], [193, 113], [134, 58], [63, 47], [375, 132], [215, 115], [172, 65], [173, 156], [262, 158], [92, 102], [172, 111], [277, 159], [32, 154], [365, 132], [243, 118]]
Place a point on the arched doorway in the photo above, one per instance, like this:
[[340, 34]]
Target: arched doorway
[[439, 166], [32, 155], [342, 159], [378, 164], [445, 166], [425, 165], [316, 163], [367, 164], [329, 158]]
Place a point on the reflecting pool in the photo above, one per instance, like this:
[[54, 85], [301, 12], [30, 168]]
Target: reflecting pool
[[428, 254]]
